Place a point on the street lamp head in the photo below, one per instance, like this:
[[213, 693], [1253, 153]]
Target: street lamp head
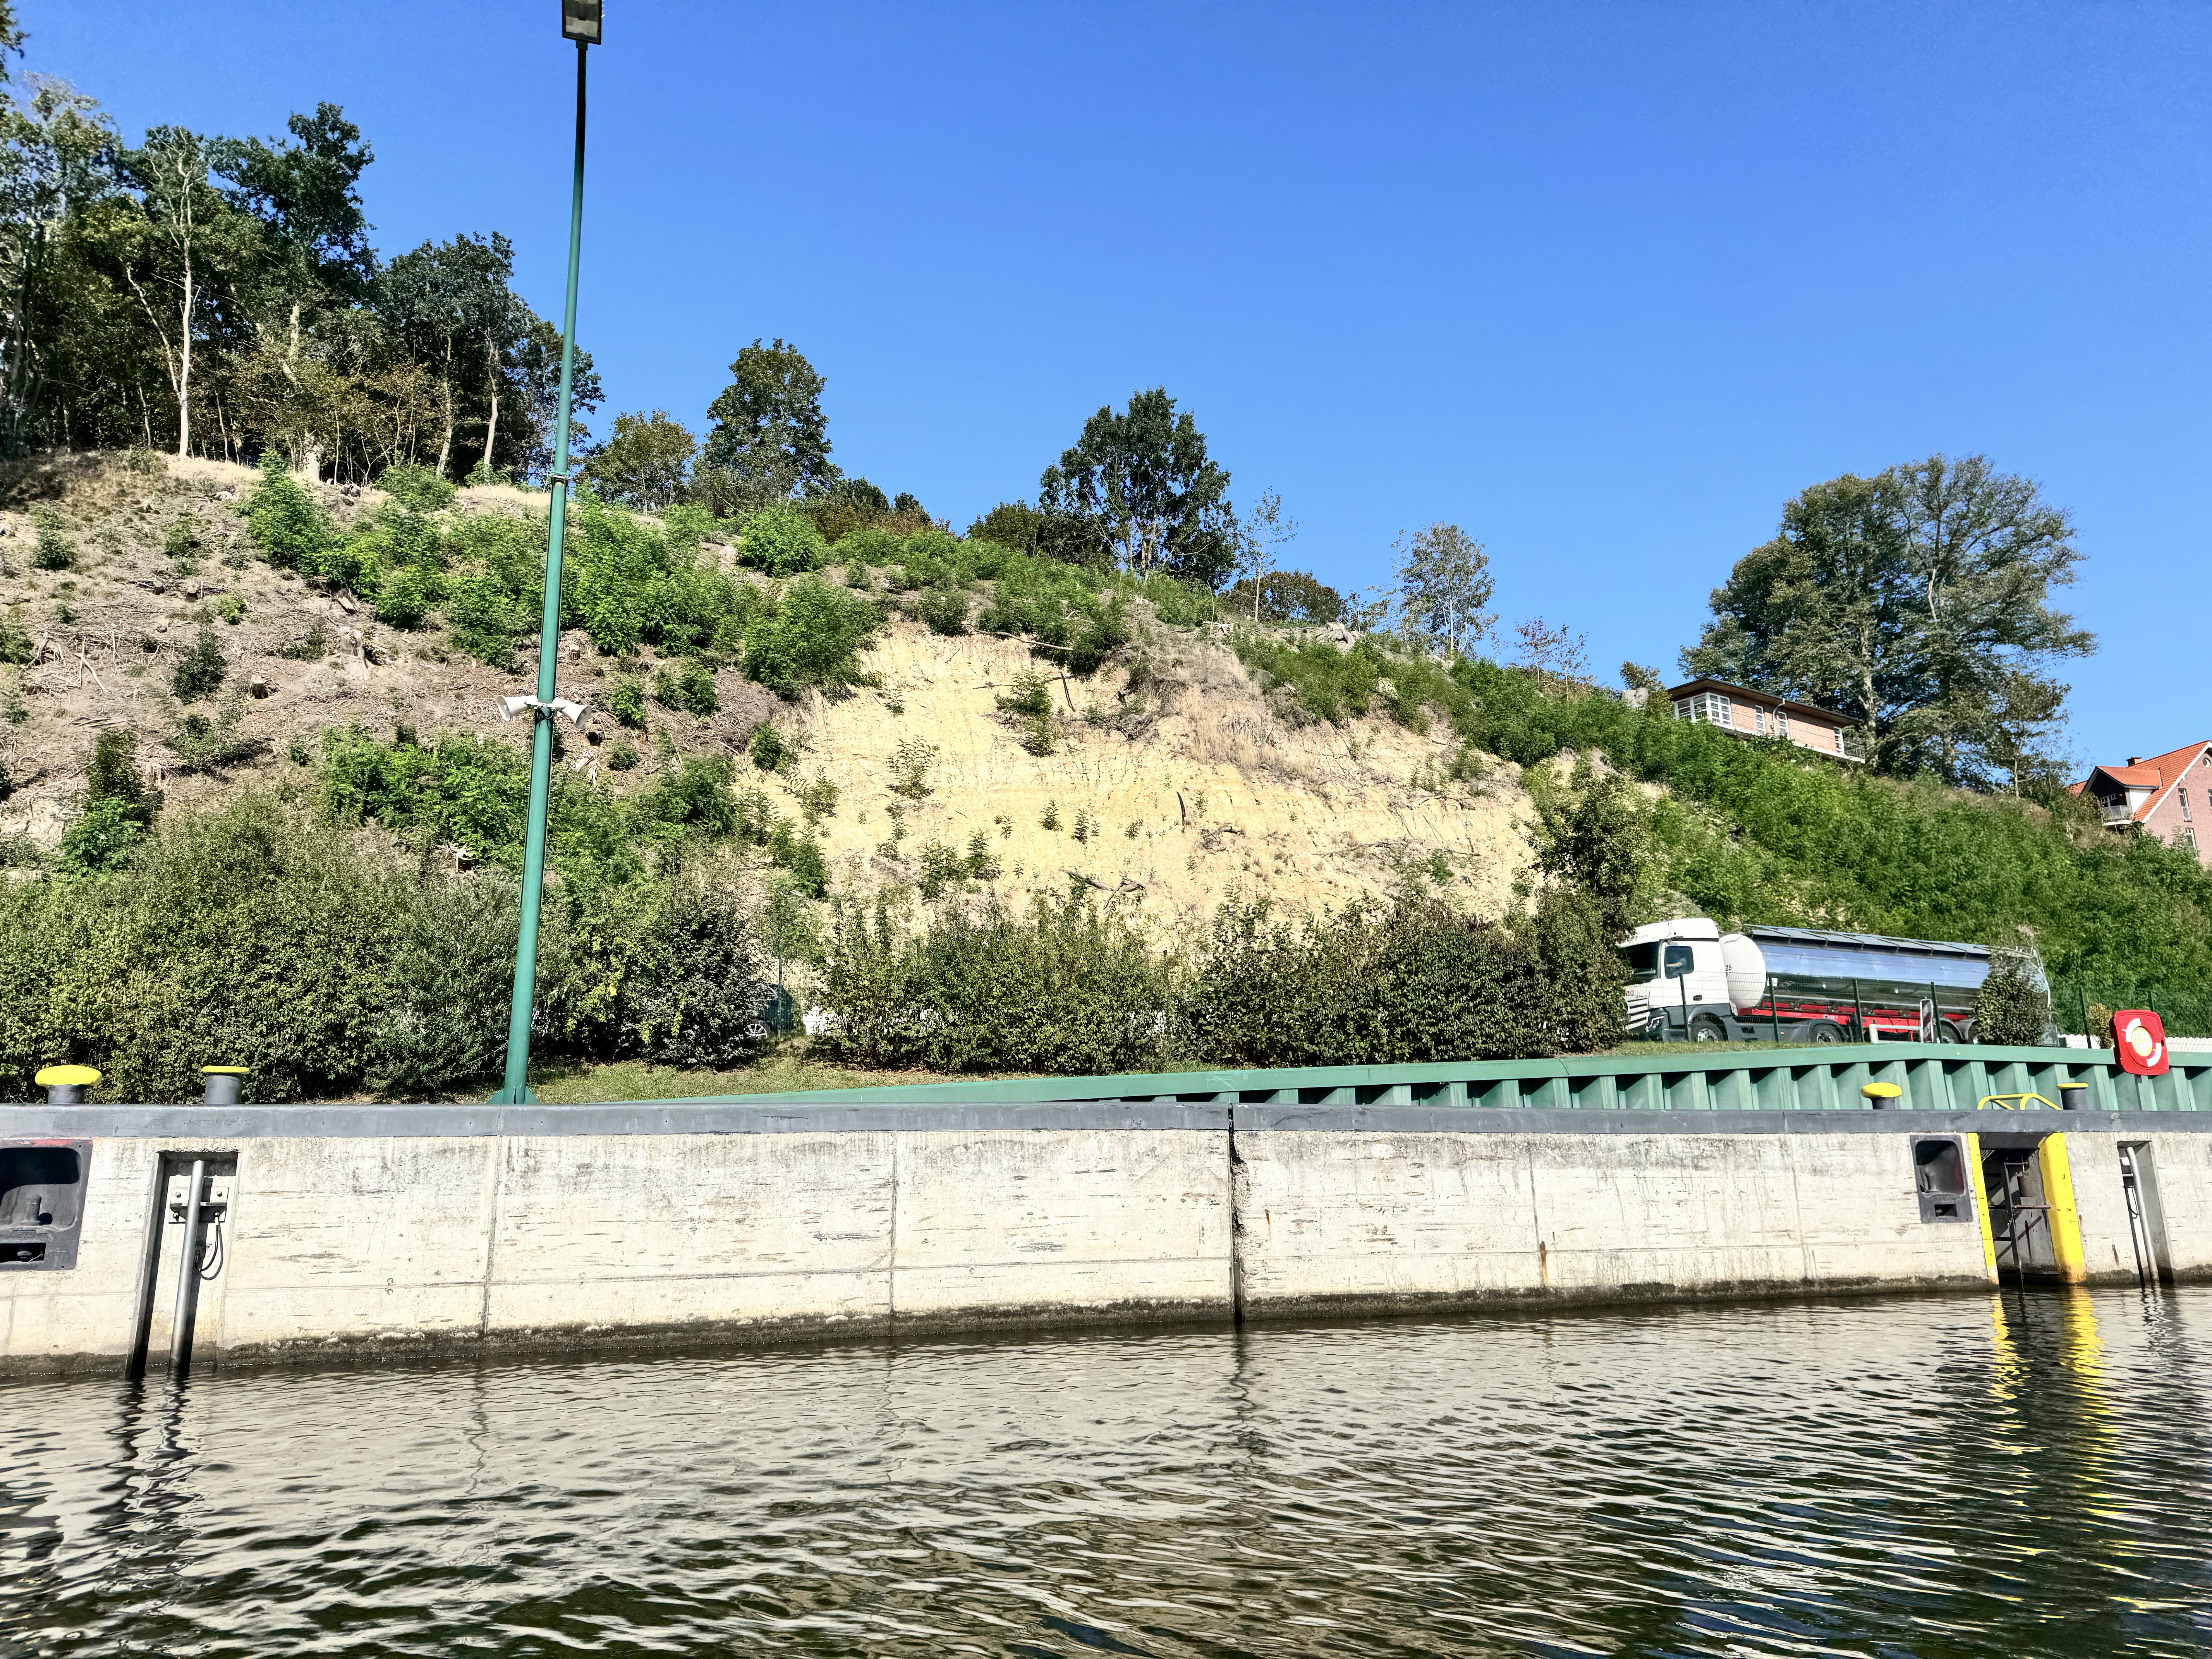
[[580, 21]]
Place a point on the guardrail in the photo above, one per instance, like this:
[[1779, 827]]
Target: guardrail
[[1930, 1077]]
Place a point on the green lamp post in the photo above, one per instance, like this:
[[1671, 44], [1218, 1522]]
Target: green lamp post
[[581, 22]]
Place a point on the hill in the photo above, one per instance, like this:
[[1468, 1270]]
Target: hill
[[251, 740]]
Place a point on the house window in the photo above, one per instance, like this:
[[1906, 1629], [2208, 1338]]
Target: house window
[[2182, 795], [1759, 722], [2188, 836], [1781, 724], [1707, 706]]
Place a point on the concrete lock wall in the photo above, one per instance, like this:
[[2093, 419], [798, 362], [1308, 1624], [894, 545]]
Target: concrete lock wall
[[412, 1230]]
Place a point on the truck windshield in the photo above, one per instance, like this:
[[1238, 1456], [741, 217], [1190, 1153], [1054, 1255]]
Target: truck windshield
[[1642, 963]]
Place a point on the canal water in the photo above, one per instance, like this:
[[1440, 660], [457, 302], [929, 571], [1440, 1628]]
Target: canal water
[[1941, 1475]]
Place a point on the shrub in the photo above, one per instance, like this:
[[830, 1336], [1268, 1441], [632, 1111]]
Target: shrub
[[813, 637], [231, 607], [802, 858], [181, 540], [817, 801], [200, 672], [422, 487], [945, 610], [626, 703], [911, 764], [783, 542], [769, 750], [286, 523], [1010, 524], [201, 744], [621, 755], [2009, 1009], [54, 549], [1039, 733], [14, 642], [1030, 694], [690, 688], [1067, 988], [1413, 981]]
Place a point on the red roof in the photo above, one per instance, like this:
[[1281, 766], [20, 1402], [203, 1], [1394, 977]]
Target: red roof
[[2156, 772]]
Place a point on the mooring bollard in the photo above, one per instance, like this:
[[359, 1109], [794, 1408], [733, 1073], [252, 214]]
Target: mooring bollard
[[2073, 1097], [65, 1085], [223, 1085], [1881, 1095]]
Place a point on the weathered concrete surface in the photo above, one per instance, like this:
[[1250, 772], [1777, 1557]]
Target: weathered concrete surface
[[1340, 1222], [334, 1246], [865, 1220]]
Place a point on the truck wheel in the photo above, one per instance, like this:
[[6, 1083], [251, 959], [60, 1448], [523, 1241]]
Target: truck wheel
[[1825, 1031], [1947, 1032], [1706, 1028]]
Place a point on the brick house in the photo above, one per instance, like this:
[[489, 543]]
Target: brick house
[[1762, 714], [2168, 795]]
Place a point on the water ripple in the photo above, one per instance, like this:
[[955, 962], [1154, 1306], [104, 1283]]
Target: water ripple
[[1915, 1476]]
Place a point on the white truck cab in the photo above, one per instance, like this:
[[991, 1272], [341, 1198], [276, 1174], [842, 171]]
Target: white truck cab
[[1681, 970]]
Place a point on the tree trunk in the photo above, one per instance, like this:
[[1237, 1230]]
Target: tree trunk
[[446, 441], [184, 363]]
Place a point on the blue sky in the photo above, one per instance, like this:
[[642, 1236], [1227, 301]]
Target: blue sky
[[1604, 285]]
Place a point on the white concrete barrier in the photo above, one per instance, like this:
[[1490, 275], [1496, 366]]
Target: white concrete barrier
[[366, 1230]]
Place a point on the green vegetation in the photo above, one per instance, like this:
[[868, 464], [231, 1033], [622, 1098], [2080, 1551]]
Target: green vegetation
[[200, 672], [1918, 602], [1761, 831], [53, 550]]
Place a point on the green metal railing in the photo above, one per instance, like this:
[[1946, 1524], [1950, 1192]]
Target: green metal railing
[[1931, 1077]]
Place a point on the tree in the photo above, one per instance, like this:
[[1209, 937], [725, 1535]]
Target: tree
[[1261, 534], [448, 307], [646, 464], [1916, 601], [1287, 596], [314, 257], [1010, 524], [1138, 488], [769, 434], [189, 241], [1444, 587], [53, 154]]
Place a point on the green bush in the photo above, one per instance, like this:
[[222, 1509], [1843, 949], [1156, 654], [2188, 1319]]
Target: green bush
[[689, 687], [621, 755], [285, 522], [181, 540], [813, 637], [945, 610], [201, 670], [1067, 988], [783, 542], [769, 749], [404, 597], [54, 550], [626, 703], [1413, 982], [14, 642], [422, 487], [1029, 695]]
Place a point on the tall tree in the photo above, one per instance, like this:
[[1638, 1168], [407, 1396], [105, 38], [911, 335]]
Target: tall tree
[[1139, 484], [1917, 601], [1261, 535], [769, 437], [314, 258], [646, 463], [451, 307], [1444, 587], [190, 240], [56, 153]]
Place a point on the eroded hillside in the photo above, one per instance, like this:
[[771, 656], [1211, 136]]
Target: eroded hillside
[[1164, 794]]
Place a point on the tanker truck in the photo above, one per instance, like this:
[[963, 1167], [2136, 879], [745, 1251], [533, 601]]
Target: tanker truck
[[1688, 981]]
